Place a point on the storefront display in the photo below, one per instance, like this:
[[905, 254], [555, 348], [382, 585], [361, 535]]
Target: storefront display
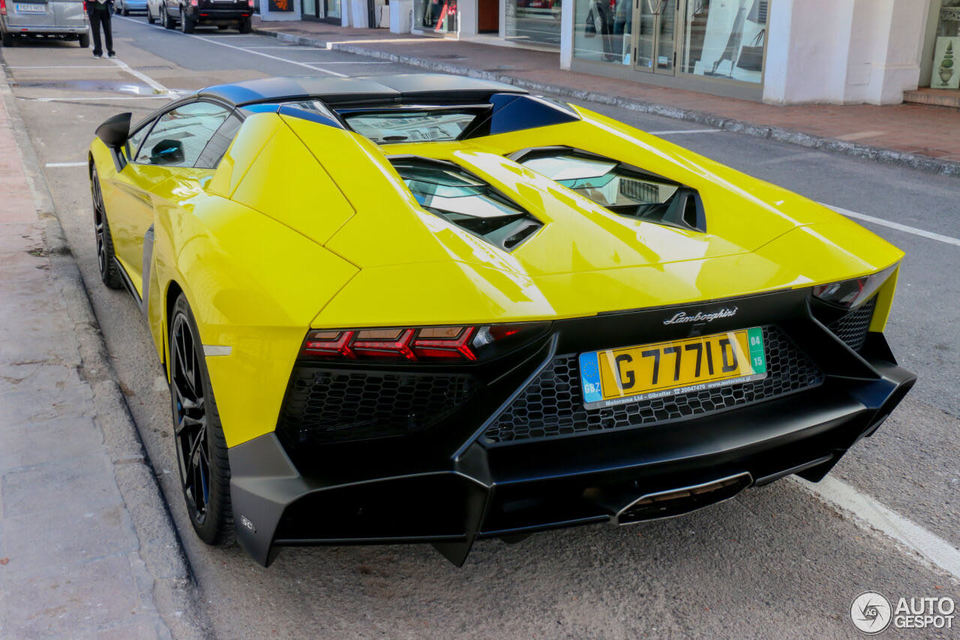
[[945, 73], [722, 39], [533, 22], [437, 16]]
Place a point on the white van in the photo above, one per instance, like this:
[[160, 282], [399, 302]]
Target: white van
[[63, 19]]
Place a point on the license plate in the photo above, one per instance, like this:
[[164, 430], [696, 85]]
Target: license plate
[[31, 8], [658, 370]]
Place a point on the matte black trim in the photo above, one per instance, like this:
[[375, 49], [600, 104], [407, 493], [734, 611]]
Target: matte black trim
[[147, 261]]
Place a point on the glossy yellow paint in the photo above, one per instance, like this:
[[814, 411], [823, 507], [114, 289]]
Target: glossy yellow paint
[[303, 225]]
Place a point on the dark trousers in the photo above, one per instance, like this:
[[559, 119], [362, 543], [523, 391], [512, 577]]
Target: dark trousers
[[98, 18]]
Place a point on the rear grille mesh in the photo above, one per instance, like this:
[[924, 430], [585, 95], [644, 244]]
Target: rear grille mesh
[[324, 405], [552, 405], [852, 328]]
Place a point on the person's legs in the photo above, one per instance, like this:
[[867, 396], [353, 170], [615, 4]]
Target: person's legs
[[95, 27], [108, 33]]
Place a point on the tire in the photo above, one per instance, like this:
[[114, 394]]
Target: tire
[[7, 40], [165, 18], [186, 22], [245, 26], [150, 19], [125, 12], [221, 27], [109, 271], [84, 41], [202, 460]]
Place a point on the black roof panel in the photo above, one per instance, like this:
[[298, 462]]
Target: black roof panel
[[432, 87]]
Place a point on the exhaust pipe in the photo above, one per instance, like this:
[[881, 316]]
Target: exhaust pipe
[[675, 502]]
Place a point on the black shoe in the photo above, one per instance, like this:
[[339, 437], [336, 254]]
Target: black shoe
[[97, 55], [111, 55]]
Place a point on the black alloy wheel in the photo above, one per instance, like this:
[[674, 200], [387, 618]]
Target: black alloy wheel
[[109, 271], [198, 437]]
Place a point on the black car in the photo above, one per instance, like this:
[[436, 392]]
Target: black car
[[190, 13]]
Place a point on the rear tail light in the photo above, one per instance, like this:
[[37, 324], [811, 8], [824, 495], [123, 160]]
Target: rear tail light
[[3, 7], [194, 3], [852, 293], [250, 3], [416, 344]]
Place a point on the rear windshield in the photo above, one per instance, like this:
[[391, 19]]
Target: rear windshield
[[406, 125]]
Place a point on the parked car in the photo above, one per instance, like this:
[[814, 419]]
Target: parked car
[[124, 7], [62, 19], [191, 13], [426, 308]]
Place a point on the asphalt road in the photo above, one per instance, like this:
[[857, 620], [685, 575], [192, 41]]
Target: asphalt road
[[776, 562]]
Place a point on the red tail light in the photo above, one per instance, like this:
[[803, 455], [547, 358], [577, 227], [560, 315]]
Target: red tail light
[[3, 7], [250, 3], [414, 344], [194, 3]]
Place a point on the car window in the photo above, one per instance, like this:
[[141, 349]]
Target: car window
[[218, 144], [179, 137], [133, 142]]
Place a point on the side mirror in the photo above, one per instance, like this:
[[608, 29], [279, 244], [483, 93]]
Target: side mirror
[[115, 130], [167, 152]]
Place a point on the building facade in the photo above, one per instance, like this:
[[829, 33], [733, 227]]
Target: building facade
[[777, 51]]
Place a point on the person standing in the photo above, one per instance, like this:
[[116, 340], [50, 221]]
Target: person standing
[[99, 12]]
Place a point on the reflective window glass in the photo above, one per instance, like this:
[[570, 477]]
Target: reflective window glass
[[180, 136]]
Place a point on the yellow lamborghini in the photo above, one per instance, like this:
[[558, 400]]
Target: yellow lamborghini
[[424, 308]]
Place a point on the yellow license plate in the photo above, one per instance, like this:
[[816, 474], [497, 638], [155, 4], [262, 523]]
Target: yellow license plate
[[628, 374]]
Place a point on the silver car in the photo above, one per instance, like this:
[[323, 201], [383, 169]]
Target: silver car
[[63, 19]]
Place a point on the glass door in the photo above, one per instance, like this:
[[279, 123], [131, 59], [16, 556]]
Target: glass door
[[655, 26]]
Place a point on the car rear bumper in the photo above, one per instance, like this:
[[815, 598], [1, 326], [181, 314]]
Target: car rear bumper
[[214, 15], [485, 490], [39, 30]]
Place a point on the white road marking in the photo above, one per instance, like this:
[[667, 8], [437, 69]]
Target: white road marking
[[930, 235], [60, 165], [101, 98], [61, 66], [267, 55], [868, 511], [98, 98], [156, 86], [678, 131]]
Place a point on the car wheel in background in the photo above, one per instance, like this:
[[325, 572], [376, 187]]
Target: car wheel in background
[[221, 27], [186, 22], [84, 40], [7, 40], [150, 19], [109, 272], [167, 20], [198, 437], [246, 26]]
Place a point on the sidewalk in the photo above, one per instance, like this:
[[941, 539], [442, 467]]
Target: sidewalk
[[909, 134], [87, 549]]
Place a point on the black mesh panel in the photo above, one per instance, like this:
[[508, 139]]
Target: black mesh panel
[[336, 405], [852, 328], [552, 405]]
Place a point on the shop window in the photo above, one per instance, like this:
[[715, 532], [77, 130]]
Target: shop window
[[438, 16], [724, 39], [533, 22], [602, 30]]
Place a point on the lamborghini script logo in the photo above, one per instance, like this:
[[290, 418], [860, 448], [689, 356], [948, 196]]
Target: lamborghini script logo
[[683, 318]]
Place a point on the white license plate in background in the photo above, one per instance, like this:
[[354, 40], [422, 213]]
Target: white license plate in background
[[31, 8]]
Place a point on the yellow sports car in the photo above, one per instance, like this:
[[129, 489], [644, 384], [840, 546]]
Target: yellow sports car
[[424, 308]]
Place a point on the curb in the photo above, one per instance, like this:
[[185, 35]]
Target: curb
[[778, 134], [163, 568]]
